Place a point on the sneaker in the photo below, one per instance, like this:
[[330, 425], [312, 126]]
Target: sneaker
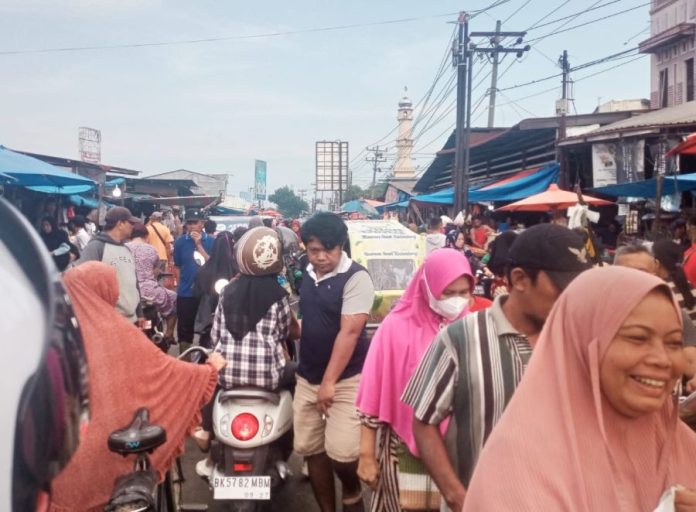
[[204, 468]]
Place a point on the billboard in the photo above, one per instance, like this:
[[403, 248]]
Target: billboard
[[260, 179], [618, 162], [89, 143], [332, 173]]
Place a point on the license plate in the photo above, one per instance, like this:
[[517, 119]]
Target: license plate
[[241, 487]]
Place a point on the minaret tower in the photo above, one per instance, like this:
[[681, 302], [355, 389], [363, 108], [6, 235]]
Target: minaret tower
[[403, 168]]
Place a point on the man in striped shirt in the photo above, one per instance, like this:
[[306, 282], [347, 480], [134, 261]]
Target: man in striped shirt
[[472, 368]]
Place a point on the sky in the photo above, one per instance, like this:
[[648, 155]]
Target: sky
[[215, 107]]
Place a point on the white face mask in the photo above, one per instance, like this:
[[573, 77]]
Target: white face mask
[[450, 308]]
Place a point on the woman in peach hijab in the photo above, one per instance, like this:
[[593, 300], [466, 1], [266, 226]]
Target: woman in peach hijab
[[593, 425], [126, 372]]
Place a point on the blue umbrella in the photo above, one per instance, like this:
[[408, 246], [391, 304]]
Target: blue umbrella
[[28, 171], [359, 206]]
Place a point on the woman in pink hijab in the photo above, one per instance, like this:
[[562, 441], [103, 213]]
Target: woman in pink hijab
[[439, 293], [593, 425]]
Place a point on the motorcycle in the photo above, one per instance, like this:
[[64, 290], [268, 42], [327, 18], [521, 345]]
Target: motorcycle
[[253, 441]]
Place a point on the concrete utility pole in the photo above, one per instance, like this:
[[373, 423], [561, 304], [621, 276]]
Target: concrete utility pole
[[493, 54], [494, 76], [460, 59], [562, 107], [377, 157], [463, 53]]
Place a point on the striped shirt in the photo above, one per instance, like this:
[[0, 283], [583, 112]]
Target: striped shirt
[[470, 373]]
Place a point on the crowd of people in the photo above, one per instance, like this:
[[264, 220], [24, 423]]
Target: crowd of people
[[559, 390]]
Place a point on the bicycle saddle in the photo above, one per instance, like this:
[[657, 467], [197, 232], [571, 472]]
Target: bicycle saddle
[[138, 437]]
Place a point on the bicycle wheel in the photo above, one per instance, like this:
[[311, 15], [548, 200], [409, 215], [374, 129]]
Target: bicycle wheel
[[170, 490]]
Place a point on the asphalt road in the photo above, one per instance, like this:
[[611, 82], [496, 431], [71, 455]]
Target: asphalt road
[[294, 496]]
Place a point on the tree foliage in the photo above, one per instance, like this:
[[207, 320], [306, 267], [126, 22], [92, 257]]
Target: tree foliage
[[353, 192], [289, 204]]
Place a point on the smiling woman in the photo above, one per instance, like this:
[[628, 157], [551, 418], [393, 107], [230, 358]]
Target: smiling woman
[[594, 425]]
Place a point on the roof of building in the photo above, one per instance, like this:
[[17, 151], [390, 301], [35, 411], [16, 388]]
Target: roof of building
[[680, 115], [68, 162], [405, 185]]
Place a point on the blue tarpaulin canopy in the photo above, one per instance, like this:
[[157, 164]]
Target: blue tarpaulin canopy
[[509, 191], [648, 188], [32, 172]]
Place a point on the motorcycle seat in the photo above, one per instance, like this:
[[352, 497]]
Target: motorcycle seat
[[249, 393], [139, 436]]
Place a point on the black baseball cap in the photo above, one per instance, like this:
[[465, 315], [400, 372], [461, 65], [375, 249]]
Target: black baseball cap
[[193, 216], [119, 213], [557, 250]]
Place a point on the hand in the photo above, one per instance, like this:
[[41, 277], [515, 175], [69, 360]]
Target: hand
[[325, 396], [217, 361], [368, 470], [685, 500], [142, 324], [196, 237], [455, 501]]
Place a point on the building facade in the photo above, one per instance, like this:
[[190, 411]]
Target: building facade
[[671, 46]]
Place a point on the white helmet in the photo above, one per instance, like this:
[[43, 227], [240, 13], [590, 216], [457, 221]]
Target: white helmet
[[43, 371]]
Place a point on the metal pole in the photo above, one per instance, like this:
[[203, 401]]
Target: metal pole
[[461, 62], [494, 77]]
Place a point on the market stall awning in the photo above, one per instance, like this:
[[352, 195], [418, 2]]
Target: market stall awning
[[186, 201], [552, 199], [648, 188], [32, 172], [509, 189]]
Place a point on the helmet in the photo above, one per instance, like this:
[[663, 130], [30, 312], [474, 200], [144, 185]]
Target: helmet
[[43, 370]]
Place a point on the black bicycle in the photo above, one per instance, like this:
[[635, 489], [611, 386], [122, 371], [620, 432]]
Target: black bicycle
[[138, 491]]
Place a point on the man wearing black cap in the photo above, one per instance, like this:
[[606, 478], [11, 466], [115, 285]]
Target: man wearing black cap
[[471, 370], [191, 250], [109, 247]]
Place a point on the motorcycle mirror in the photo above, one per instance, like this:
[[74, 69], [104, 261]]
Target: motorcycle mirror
[[219, 285], [198, 258]]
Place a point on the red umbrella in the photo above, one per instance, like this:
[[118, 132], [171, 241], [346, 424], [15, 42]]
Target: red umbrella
[[688, 147], [553, 199]]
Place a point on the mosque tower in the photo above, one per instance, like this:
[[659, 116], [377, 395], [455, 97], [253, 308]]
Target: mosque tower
[[403, 168]]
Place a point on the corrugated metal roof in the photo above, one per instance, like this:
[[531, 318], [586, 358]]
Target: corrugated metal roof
[[670, 116]]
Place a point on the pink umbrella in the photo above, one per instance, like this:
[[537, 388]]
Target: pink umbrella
[[553, 199]]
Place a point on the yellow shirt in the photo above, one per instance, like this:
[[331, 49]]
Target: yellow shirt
[[155, 241]]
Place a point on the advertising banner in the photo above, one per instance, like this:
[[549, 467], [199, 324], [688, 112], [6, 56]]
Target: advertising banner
[[260, 179]]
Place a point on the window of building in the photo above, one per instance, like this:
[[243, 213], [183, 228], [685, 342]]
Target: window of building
[[689, 65], [664, 85]]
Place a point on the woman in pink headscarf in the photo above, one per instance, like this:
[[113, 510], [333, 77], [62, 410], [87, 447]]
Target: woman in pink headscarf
[[439, 293], [594, 425]]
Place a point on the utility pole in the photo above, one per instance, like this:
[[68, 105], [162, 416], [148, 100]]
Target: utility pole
[[463, 53], [377, 157], [493, 54], [460, 59], [494, 76], [562, 107]]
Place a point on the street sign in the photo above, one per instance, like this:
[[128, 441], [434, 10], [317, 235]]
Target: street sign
[[260, 179], [89, 142]]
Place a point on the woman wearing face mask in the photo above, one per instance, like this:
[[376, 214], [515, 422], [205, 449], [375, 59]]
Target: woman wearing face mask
[[439, 293], [593, 424]]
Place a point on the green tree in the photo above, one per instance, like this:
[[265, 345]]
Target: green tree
[[289, 204], [353, 192]]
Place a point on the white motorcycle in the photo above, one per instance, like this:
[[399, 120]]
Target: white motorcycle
[[253, 441]]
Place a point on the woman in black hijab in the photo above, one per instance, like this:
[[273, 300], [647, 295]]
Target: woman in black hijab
[[221, 266], [57, 242]]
